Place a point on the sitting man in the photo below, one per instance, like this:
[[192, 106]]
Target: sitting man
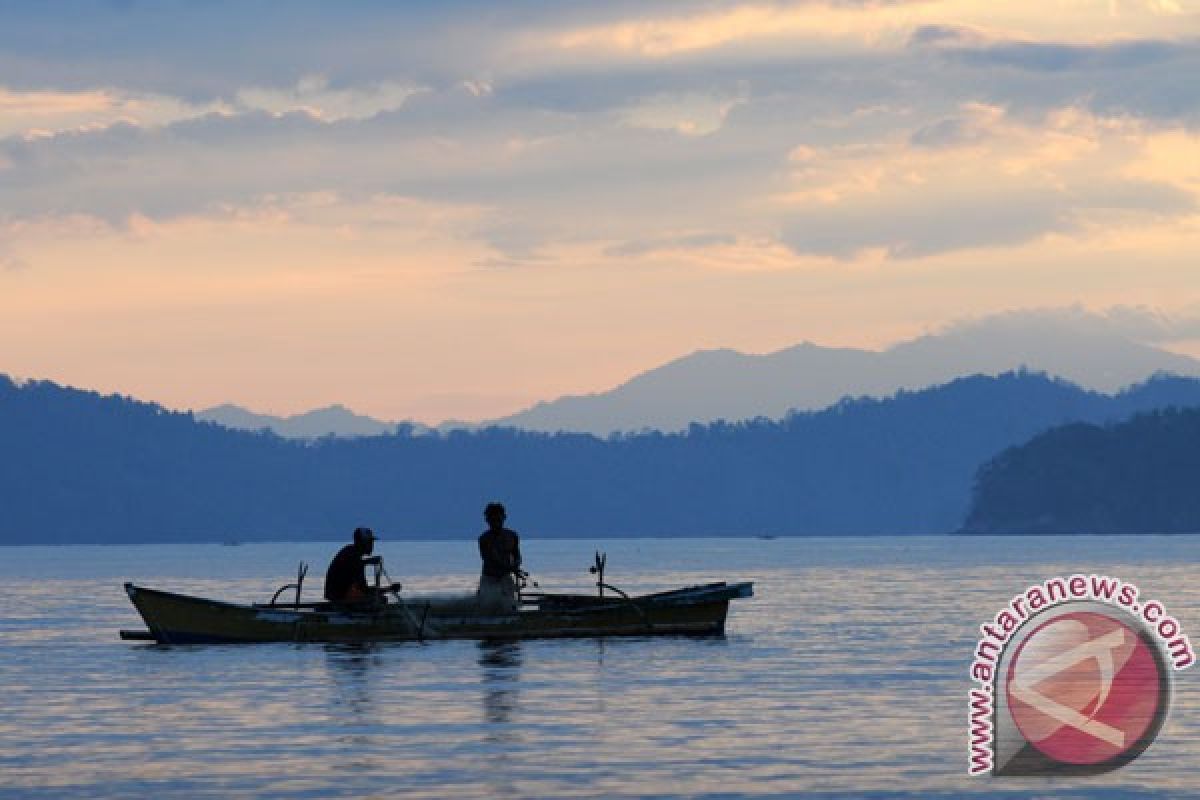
[[346, 578], [500, 550]]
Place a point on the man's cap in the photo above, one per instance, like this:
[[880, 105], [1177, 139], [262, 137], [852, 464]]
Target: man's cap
[[364, 533]]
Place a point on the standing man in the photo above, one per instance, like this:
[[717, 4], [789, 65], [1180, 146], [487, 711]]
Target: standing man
[[346, 578], [500, 549]]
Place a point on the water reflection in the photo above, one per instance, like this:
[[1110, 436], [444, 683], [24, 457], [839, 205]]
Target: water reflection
[[500, 664], [845, 676], [349, 668]]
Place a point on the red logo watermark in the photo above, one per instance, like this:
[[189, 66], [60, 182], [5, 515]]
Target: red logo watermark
[[1073, 677], [1084, 688]]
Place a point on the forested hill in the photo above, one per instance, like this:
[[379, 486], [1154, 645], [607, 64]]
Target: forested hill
[[1139, 476], [78, 467]]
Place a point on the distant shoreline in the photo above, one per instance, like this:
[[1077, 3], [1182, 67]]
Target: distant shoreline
[[384, 541]]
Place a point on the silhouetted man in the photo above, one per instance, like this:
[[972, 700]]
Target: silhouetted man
[[346, 578], [500, 550]]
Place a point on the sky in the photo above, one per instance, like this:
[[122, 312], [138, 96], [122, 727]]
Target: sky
[[455, 209]]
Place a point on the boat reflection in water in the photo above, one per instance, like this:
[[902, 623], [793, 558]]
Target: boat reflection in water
[[500, 666], [350, 665]]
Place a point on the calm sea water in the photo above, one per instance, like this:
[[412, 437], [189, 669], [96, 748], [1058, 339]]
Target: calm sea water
[[845, 676]]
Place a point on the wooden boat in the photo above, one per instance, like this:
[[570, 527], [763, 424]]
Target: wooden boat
[[182, 619]]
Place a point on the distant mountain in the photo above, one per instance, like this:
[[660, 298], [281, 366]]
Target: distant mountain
[[1139, 476], [335, 420], [724, 384], [78, 467]]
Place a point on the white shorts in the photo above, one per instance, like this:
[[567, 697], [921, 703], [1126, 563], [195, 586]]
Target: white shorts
[[497, 595]]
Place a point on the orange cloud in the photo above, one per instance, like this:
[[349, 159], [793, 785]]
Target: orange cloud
[[44, 113], [870, 24], [1006, 178]]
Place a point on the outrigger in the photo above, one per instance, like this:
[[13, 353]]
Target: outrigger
[[182, 619]]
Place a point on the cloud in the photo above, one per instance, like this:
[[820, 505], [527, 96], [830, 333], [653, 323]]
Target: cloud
[[566, 122], [1151, 325], [943, 36], [682, 242], [43, 113], [38, 114], [1055, 56], [973, 124], [977, 177], [314, 95], [1148, 77], [691, 114], [1137, 323], [980, 179], [682, 33], [535, 172], [206, 53]]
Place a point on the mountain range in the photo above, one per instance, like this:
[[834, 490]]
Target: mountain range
[[335, 420], [76, 466], [1085, 348], [725, 384]]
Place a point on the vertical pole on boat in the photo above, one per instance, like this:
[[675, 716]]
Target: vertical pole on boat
[[597, 569], [301, 571]]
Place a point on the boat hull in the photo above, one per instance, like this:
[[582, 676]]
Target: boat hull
[[182, 619]]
